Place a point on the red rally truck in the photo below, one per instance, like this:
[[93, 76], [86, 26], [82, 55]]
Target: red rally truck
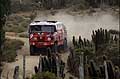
[[43, 34]]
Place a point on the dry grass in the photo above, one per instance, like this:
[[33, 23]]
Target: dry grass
[[10, 49]]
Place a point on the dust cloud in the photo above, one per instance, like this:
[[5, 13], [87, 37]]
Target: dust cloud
[[83, 24]]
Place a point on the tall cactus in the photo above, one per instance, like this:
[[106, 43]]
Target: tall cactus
[[102, 71], [88, 43], [110, 70], [54, 65], [16, 73], [93, 69], [74, 41], [85, 42], [115, 39], [80, 42], [100, 37]]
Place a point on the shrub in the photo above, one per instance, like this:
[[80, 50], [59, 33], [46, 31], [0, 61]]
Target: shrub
[[114, 31], [25, 35], [17, 23], [44, 75], [10, 49]]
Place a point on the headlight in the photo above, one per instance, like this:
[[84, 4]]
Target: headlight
[[34, 38], [31, 35], [49, 39]]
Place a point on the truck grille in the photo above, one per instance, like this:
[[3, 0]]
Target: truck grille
[[41, 40]]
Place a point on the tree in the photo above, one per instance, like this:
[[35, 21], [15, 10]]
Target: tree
[[4, 11]]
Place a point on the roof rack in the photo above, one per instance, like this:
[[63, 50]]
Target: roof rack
[[36, 21], [46, 21], [52, 21]]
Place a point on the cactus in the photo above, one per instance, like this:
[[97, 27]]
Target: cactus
[[80, 42], [93, 69], [85, 42], [50, 63], [102, 71], [100, 37], [36, 69], [88, 43], [16, 73], [54, 65], [62, 66], [110, 70], [117, 72], [74, 41], [115, 39]]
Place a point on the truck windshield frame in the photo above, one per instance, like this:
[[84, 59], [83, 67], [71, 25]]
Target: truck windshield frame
[[42, 28]]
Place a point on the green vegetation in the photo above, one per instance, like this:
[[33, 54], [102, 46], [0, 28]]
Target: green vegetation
[[17, 23], [114, 31], [10, 49], [4, 11], [24, 34], [104, 43], [28, 5], [44, 75], [100, 38]]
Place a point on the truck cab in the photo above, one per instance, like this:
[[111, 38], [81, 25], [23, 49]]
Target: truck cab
[[43, 34]]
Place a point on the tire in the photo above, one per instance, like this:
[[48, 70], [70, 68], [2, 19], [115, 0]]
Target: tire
[[32, 50], [54, 48], [65, 45]]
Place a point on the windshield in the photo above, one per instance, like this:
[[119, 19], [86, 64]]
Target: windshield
[[42, 28]]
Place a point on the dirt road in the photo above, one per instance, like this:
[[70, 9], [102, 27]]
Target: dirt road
[[31, 61]]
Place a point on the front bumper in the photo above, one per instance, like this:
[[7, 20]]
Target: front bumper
[[41, 44]]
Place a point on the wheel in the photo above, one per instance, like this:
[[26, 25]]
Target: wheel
[[32, 50], [65, 45], [49, 51], [54, 48]]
